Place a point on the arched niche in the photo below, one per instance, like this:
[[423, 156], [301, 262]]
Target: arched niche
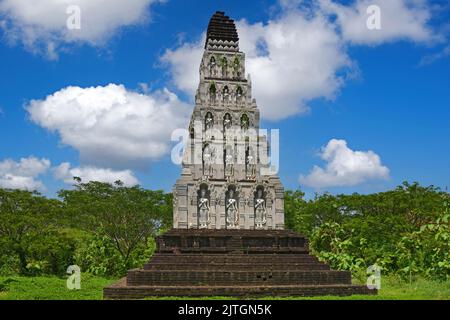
[[227, 121], [203, 206], [232, 206], [260, 207], [245, 121], [209, 120]]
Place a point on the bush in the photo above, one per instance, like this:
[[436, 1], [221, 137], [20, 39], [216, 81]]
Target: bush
[[100, 257], [427, 250]]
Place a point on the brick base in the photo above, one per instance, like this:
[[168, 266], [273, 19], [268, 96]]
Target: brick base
[[233, 263]]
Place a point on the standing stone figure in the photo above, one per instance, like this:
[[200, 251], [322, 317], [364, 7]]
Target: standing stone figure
[[229, 164], [227, 121], [232, 212], [208, 160], [250, 166], [260, 209], [244, 122], [203, 208], [209, 121], [212, 67]]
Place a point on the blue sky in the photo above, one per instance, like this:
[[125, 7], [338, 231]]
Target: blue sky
[[369, 109]]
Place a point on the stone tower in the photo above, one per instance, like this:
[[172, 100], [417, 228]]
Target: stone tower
[[227, 181], [228, 237]]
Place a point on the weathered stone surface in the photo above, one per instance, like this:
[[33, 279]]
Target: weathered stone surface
[[228, 237], [235, 263], [225, 152]]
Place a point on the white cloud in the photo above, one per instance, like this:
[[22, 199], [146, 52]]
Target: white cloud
[[184, 63], [293, 60], [301, 55], [111, 126], [42, 25], [431, 58], [299, 62], [400, 20], [345, 167], [23, 174], [89, 173]]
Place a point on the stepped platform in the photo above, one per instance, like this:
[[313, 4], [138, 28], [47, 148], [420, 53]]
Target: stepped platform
[[243, 263]]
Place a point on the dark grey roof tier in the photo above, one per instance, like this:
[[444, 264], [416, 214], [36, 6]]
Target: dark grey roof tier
[[221, 27]]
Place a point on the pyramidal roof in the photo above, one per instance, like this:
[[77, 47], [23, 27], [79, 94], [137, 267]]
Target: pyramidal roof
[[221, 27]]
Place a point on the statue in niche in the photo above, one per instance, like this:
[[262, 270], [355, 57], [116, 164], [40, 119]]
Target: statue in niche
[[227, 121], [229, 163], [232, 212], [203, 208], [244, 122], [212, 66], [224, 63], [236, 67], [250, 165], [209, 121], [239, 93], [212, 92], [226, 94], [260, 209], [208, 160]]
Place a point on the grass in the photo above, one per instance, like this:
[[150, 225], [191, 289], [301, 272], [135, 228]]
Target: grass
[[53, 288]]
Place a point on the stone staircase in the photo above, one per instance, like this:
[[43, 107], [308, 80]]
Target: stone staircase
[[245, 263]]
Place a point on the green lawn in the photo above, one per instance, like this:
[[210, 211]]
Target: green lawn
[[53, 288]]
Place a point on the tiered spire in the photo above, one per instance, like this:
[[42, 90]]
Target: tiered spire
[[221, 28]]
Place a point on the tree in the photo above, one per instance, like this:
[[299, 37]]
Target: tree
[[294, 206], [126, 216], [27, 226]]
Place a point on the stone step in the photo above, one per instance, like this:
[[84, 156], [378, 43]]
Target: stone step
[[230, 258], [138, 277], [235, 266], [228, 241], [121, 291], [234, 249]]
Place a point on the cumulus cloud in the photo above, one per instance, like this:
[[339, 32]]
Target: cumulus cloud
[[66, 173], [42, 25], [293, 60], [400, 19], [301, 55], [23, 174], [111, 126], [345, 167], [184, 63]]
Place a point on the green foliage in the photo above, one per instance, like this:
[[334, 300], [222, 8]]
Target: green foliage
[[294, 211], [404, 231], [99, 256], [427, 250], [236, 63], [30, 242], [123, 218], [212, 88], [335, 246], [223, 62], [106, 229]]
